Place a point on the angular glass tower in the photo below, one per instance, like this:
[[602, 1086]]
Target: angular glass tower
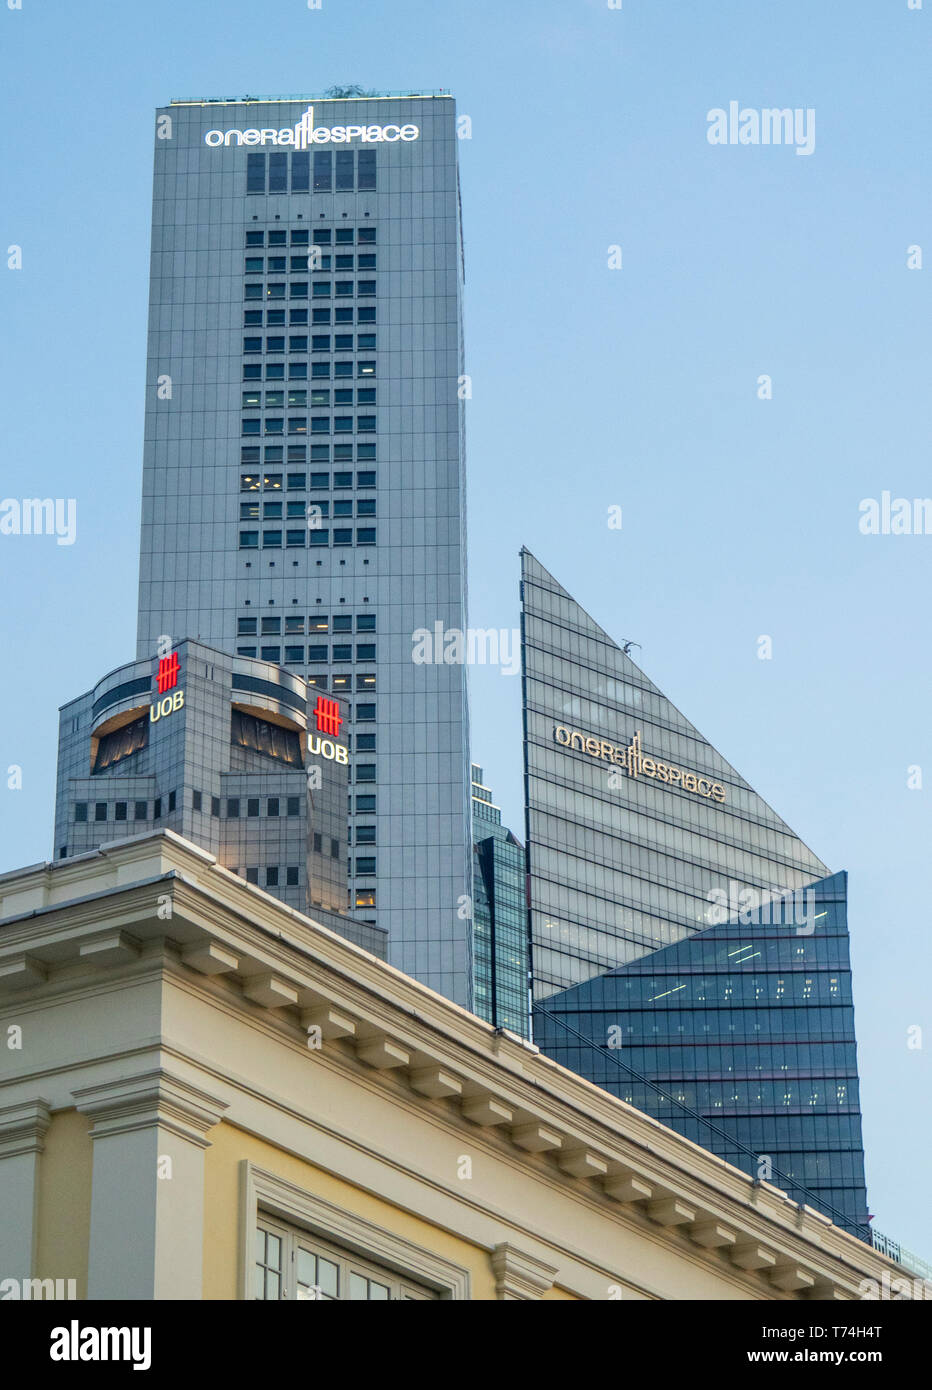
[[303, 486], [667, 965], [637, 828], [741, 1038], [500, 955]]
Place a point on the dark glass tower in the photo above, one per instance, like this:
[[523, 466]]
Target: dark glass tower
[[500, 954], [741, 1038], [668, 965]]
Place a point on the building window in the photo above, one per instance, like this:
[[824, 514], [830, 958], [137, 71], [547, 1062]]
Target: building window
[[252, 804], [121, 743], [273, 806], [80, 810], [365, 866], [291, 877], [272, 740], [215, 806], [252, 876], [365, 835], [365, 897], [293, 805], [233, 808], [119, 810], [195, 801], [334, 849], [171, 801], [157, 808], [318, 843], [323, 171], [141, 810], [271, 878], [255, 173]]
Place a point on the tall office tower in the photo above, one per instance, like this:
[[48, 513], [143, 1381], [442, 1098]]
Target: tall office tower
[[303, 495], [500, 955], [637, 828], [667, 964]]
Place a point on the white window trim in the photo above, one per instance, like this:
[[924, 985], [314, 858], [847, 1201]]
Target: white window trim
[[282, 1199]]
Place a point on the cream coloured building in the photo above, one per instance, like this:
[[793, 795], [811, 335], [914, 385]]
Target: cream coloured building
[[205, 1095]]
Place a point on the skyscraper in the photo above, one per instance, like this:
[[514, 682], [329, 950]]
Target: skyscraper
[[500, 955], [637, 828], [303, 490], [668, 963]]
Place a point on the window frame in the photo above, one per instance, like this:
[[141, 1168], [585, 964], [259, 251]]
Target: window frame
[[269, 1199]]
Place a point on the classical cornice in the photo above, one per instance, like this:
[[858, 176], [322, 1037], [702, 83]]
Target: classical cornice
[[158, 894]]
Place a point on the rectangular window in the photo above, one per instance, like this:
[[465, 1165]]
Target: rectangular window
[[300, 183], [252, 806], [345, 161], [365, 651], [323, 172], [296, 482], [317, 654], [298, 289], [140, 810], [322, 236], [172, 799], [255, 173], [365, 834], [80, 810], [367, 316], [273, 806], [215, 806], [297, 371], [248, 540], [272, 654], [278, 173], [233, 808], [366, 172], [274, 371], [365, 535], [299, 235], [365, 772], [293, 805], [365, 866], [293, 654], [291, 877], [364, 712], [271, 878], [365, 803], [255, 238]]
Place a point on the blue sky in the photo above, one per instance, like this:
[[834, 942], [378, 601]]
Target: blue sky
[[591, 388]]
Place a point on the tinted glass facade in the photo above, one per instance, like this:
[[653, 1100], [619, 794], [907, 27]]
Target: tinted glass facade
[[741, 1038], [304, 455], [636, 826], [500, 954]]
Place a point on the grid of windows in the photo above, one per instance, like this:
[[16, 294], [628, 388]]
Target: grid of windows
[[747, 1034], [294, 1264]]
